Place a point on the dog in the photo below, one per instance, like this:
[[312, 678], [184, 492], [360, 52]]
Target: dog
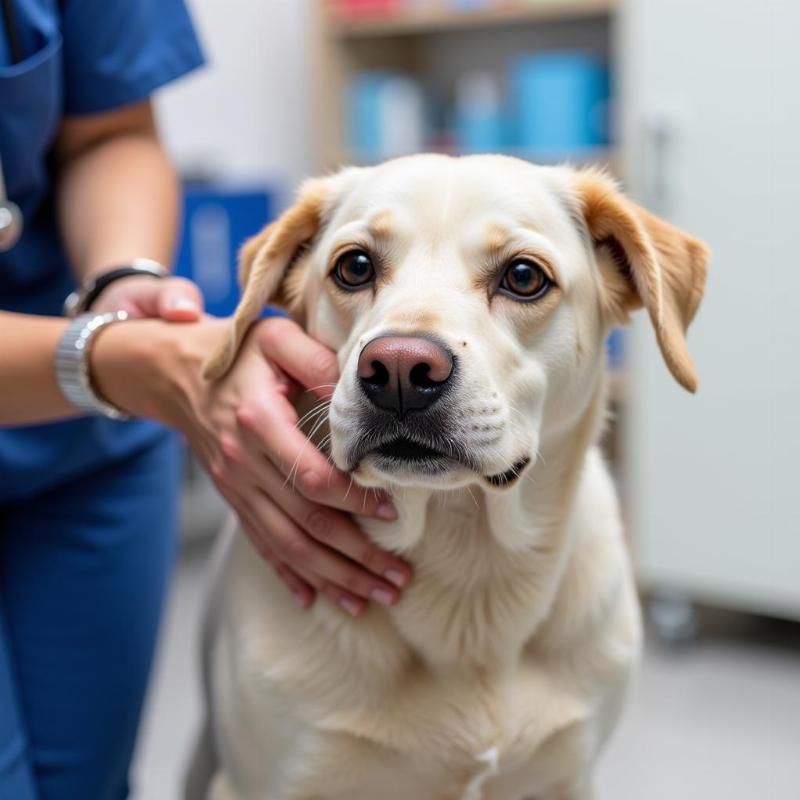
[[469, 300]]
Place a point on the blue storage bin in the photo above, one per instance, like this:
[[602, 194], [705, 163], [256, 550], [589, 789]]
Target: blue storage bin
[[559, 102], [216, 221]]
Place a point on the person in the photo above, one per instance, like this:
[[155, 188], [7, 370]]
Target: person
[[88, 504]]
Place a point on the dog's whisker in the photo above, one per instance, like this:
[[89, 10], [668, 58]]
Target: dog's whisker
[[317, 425], [318, 410], [310, 418], [320, 386]]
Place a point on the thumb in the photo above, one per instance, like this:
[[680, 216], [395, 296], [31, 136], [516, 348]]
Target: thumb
[[179, 300]]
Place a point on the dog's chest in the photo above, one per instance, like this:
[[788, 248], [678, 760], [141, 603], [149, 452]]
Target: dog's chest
[[462, 735]]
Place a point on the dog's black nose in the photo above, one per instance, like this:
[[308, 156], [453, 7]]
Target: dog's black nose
[[404, 373]]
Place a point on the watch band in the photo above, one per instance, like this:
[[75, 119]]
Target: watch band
[[72, 363], [80, 301]]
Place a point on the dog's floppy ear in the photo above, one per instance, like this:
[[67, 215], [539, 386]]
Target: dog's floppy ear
[[263, 263], [645, 262]]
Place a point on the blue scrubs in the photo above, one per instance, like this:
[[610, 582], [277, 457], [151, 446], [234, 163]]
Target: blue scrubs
[[87, 507]]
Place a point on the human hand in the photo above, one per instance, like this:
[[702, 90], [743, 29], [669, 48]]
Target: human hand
[[291, 501], [144, 297]]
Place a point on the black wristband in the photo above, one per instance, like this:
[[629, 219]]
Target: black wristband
[[80, 301], [107, 278]]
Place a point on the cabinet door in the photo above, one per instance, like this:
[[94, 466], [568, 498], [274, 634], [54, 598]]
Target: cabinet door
[[711, 127]]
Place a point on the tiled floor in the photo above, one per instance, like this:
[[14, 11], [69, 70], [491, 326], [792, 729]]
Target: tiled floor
[[718, 720]]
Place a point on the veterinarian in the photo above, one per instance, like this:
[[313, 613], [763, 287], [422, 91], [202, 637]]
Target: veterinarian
[[88, 504]]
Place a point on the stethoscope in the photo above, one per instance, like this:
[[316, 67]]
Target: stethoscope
[[10, 218], [10, 214]]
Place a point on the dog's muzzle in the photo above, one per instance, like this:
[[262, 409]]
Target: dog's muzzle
[[407, 422]]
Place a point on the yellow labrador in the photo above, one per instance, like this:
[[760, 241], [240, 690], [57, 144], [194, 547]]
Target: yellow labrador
[[468, 300]]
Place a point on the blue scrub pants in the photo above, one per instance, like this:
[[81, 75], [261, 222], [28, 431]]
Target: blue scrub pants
[[83, 571]]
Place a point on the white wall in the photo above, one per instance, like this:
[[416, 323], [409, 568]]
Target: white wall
[[244, 117]]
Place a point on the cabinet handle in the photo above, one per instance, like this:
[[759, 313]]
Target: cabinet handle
[[659, 141]]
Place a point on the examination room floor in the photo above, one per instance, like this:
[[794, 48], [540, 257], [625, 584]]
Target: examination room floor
[[717, 719]]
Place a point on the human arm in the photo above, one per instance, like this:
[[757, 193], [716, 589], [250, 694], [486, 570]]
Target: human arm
[[291, 501], [29, 389], [117, 202]]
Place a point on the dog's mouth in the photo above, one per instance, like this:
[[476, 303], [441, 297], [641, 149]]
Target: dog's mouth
[[510, 476], [404, 449], [407, 455], [403, 452]]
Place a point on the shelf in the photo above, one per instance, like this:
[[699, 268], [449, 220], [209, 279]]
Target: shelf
[[443, 20]]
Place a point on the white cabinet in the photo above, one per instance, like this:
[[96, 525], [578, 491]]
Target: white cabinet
[[711, 128]]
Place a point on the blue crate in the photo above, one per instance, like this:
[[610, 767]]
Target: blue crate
[[216, 221]]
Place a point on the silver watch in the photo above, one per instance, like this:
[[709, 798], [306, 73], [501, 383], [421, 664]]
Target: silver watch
[[72, 363]]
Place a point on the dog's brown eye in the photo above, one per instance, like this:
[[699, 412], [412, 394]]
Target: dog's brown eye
[[525, 280], [354, 270]]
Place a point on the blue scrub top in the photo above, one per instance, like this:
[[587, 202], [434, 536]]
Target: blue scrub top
[[78, 57]]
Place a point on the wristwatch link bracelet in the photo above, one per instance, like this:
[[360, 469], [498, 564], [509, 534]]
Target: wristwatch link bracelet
[[72, 363]]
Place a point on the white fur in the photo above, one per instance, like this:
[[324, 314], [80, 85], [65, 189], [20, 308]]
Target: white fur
[[501, 672]]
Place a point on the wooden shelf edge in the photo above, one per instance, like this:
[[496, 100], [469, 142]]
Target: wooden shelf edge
[[443, 20]]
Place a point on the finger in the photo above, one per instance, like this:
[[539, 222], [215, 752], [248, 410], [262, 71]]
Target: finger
[[302, 584], [302, 591], [306, 360], [308, 470], [338, 532], [304, 554], [306, 587], [353, 605], [178, 300]]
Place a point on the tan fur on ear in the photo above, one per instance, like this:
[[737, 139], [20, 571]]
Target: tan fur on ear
[[658, 266], [262, 265]]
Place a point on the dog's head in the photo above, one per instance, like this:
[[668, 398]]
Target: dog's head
[[469, 301]]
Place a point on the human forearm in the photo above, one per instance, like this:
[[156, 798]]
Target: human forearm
[[118, 193], [28, 388]]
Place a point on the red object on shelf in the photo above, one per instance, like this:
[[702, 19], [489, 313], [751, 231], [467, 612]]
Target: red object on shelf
[[367, 8]]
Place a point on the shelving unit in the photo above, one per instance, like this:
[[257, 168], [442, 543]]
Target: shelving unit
[[435, 43]]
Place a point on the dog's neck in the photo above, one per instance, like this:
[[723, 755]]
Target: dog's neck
[[489, 564]]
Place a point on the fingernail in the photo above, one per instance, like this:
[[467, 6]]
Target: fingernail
[[300, 599], [396, 577], [382, 596], [350, 606], [386, 511], [183, 304]]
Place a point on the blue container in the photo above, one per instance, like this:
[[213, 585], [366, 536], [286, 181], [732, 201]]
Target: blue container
[[479, 118], [216, 221], [559, 102], [386, 116], [364, 137]]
